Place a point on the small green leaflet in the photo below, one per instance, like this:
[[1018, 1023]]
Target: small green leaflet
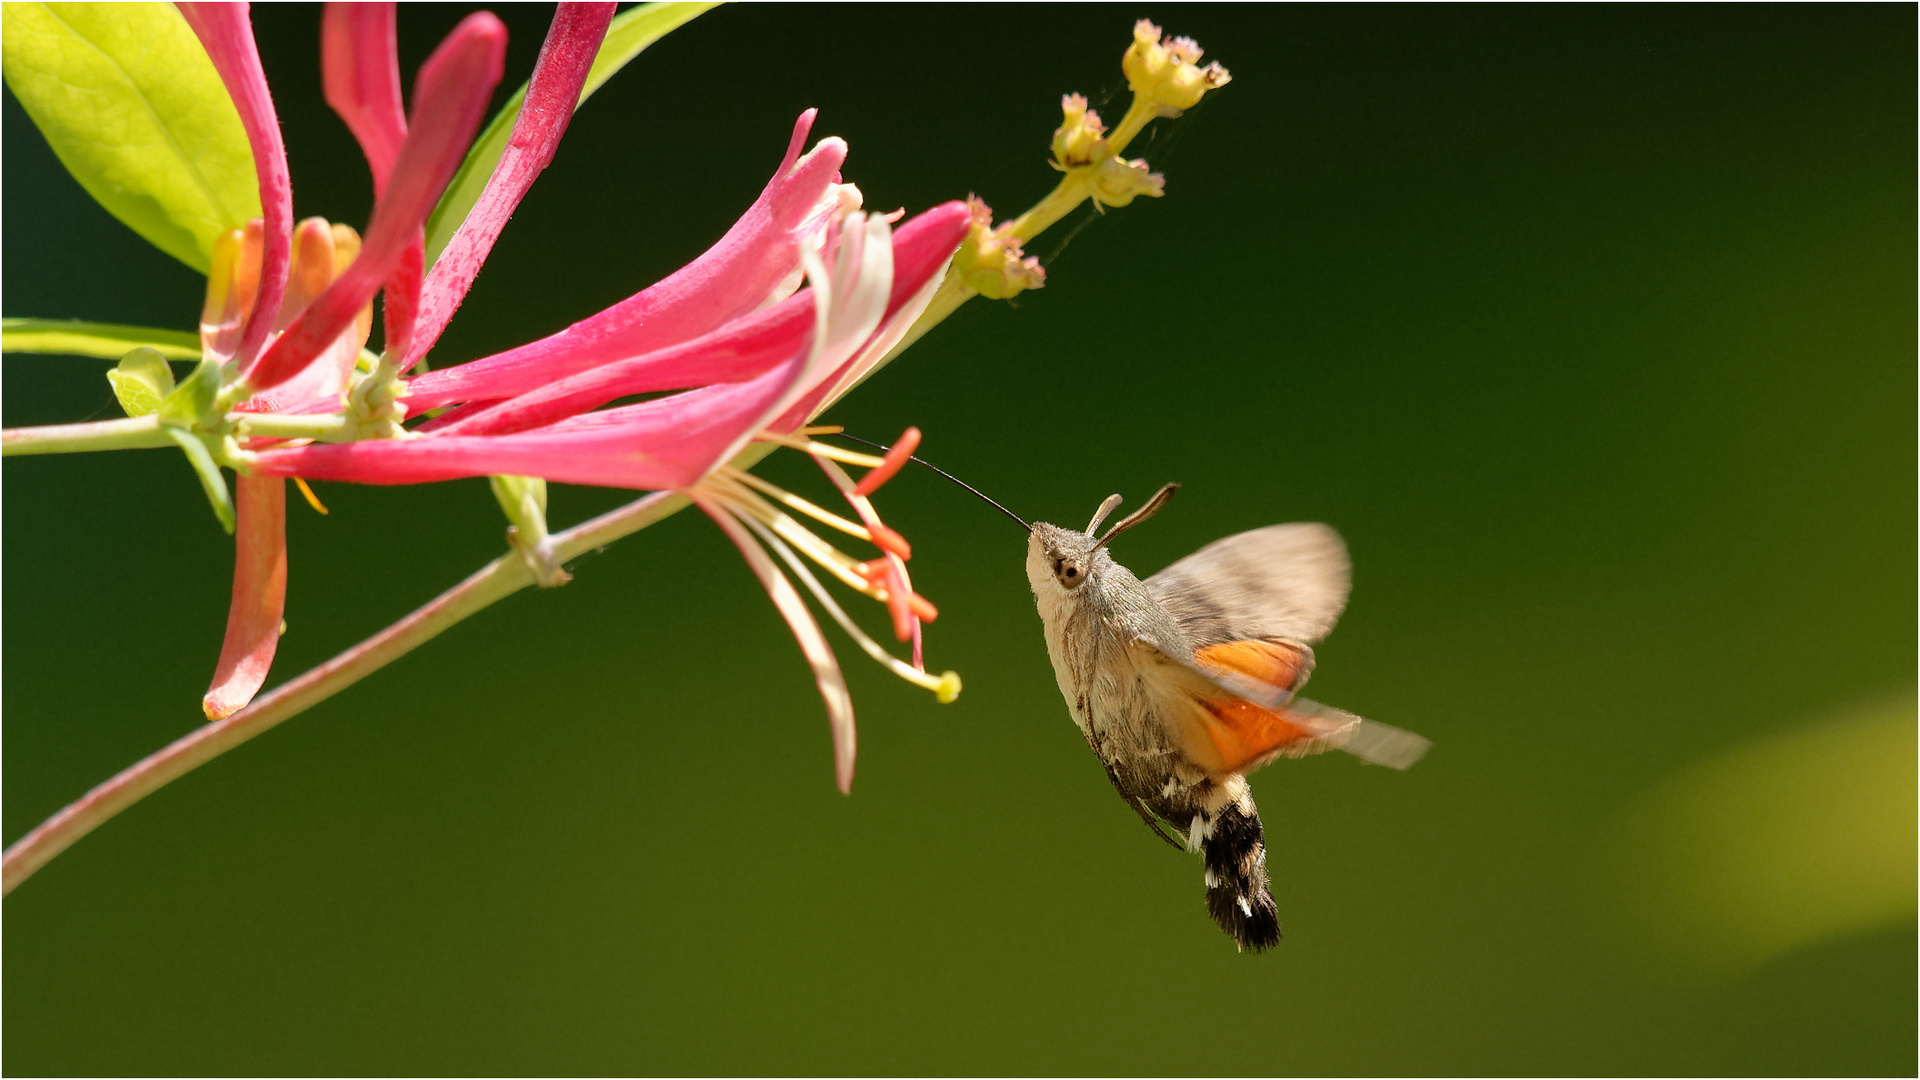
[[134, 109], [141, 381], [630, 33]]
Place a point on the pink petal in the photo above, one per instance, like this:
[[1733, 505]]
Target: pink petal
[[227, 34], [400, 300], [670, 445], [922, 248], [449, 101], [740, 350], [259, 595], [734, 277], [552, 94], [813, 644], [359, 56], [667, 443]]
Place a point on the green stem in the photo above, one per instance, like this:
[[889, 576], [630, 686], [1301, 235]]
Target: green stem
[[332, 427], [1061, 201], [132, 433], [497, 580]]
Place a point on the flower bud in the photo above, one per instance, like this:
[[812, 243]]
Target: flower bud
[[1116, 183], [233, 283], [1080, 138], [990, 261], [1165, 72]]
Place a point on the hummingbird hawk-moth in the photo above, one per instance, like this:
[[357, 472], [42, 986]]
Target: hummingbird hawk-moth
[[1186, 682]]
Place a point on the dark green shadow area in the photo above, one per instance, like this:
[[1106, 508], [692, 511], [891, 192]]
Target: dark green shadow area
[[1591, 328]]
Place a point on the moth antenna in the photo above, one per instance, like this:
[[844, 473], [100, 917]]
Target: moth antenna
[[942, 472], [1153, 506], [1112, 502]]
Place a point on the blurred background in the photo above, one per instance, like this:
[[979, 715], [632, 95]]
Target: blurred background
[[1592, 329]]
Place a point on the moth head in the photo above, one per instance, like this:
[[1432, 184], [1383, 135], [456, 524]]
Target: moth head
[[1064, 559], [1059, 560]]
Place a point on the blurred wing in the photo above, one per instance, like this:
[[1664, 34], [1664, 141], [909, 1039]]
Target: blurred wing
[[1233, 710], [1283, 581]]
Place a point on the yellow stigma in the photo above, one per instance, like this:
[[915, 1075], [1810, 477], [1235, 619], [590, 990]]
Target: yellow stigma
[[948, 688]]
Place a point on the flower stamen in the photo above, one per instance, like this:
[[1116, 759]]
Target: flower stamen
[[795, 502], [307, 494], [820, 450], [945, 687]]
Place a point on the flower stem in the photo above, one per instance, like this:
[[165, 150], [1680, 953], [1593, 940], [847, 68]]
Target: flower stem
[[1139, 114], [328, 427], [1070, 192], [498, 579], [131, 433]]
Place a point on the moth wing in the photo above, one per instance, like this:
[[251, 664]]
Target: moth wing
[[1233, 710], [1284, 581]]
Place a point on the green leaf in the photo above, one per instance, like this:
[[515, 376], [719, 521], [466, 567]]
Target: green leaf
[[105, 341], [141, 381], [629, 34], [134, 109]]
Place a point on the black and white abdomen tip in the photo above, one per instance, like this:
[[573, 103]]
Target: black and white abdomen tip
[[1235, 851]]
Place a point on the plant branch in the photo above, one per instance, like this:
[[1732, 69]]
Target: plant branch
[[495, 581], [131, 433]]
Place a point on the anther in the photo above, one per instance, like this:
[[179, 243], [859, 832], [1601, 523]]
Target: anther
[[896, 458], [889, 541], [307, 493]]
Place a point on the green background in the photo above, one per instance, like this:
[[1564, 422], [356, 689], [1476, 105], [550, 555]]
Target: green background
[[1592, 329]]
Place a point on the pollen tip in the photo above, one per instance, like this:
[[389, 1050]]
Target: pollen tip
[[948, 689]]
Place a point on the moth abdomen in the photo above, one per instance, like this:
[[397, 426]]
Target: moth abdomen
[[1235, 850]]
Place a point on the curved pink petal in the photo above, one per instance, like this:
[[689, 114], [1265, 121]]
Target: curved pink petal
[[632, 448], [227, 34], [552, 94], [667, 443], [739, 350], [360, 65], [922, 247], [813, 644], [449, 100], [734, 277], [259, 595]]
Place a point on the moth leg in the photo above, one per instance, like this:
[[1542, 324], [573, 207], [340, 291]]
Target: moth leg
[[1140, 808], [1147, 816]]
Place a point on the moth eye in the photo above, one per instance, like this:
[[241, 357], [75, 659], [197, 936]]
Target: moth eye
[[1068, 574]]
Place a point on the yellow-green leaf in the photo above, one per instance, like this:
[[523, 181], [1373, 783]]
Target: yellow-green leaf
[[630, 33], [141, 381], [134, 109], [105, 341]]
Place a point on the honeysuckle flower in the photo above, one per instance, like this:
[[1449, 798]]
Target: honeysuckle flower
[[287, 311], [753, 359], [763, 373]]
